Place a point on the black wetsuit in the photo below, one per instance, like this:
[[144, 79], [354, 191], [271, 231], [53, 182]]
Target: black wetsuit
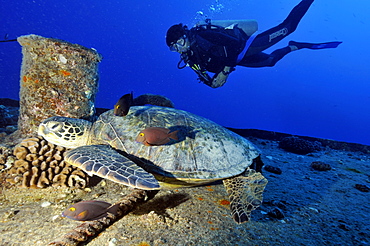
[[213, 50], [213, 47]]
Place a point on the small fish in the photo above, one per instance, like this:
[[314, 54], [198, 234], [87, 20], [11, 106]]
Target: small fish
[[89, 210], [123, 105], [156, 136]]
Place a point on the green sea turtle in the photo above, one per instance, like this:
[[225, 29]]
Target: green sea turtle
[[203, 153]]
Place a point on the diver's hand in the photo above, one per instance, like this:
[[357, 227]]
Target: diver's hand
[[219, 81], [221, 78]]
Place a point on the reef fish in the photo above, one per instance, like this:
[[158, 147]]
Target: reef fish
[[123, 105], [156, 136], [90, 210]]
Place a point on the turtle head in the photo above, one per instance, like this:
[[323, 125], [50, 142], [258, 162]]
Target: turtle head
[[66, 132]]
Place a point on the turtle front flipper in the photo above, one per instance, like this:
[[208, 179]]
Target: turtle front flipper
[[105, 162], [245, 193]]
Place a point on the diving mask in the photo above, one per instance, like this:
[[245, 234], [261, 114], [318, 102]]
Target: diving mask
[[180, 46]]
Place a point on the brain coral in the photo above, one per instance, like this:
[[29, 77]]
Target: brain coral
[[40, 164], [299, 146]]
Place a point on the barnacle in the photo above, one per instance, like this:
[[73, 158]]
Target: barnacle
[[40, 164], [62, 59]]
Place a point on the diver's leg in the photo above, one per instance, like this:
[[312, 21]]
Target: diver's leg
[[266, 60], [257, 60], [272, 36], [278, 54]]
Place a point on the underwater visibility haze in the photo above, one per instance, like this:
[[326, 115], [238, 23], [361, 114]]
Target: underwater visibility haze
[[322, 93]]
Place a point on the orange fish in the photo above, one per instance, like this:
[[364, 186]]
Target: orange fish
[[156, 136]]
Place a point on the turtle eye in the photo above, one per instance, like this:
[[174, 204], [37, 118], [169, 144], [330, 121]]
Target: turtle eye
[[117, 106]]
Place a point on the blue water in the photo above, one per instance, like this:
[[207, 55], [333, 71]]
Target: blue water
[[319, 93]]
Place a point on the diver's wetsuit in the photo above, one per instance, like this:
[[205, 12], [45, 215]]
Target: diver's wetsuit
[[256, 58], [211, 50]]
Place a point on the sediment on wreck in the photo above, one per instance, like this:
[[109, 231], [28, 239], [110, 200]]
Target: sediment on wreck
[[57, 78]]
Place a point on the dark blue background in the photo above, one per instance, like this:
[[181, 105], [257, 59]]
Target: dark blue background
[[321, 93]]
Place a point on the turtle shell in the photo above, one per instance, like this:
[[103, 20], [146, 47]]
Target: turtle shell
[[204, 150]]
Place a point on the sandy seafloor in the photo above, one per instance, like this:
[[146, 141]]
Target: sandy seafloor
[[320, 208]]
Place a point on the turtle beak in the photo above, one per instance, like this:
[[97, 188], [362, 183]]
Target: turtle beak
[[42, 131]]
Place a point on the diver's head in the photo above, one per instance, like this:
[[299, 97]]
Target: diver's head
[[177, 39]]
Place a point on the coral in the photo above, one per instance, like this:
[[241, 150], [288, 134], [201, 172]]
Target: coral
[[320, 166], [2, 116], [9, 111], [152, 99], [273, 169], [299, 146], [362, 187], [8, 116], [40, 164], [276, 213], [5, 157], [57, 78]]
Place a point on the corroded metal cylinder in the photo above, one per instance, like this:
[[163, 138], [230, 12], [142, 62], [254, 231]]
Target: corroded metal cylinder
[[57, 78]]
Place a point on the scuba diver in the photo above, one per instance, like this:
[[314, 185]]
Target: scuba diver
[[219, 46]]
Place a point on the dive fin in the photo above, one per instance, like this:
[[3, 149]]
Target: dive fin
[[316, 46]]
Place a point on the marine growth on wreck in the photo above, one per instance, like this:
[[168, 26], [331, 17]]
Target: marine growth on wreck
[[57, 78]]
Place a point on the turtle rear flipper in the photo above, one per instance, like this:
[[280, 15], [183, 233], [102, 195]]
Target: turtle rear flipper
[[105, 162], [245, 193]]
